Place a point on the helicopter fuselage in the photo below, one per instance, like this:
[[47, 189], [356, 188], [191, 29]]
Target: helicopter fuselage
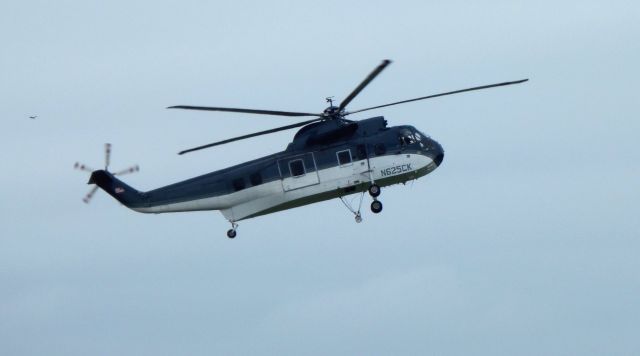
[[326, 160], [329, 157]]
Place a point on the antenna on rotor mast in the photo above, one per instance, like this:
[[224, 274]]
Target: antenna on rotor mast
[[329, 100]]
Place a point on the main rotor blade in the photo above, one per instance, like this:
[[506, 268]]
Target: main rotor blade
[[247, 111], [441, 94], [282, 128], [364, 83]]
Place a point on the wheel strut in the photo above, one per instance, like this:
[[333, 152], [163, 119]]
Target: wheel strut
[[356, 213]]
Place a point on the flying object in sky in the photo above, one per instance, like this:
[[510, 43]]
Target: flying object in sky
[[329, 157]]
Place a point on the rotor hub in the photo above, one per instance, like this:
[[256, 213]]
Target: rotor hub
[[333, 112]]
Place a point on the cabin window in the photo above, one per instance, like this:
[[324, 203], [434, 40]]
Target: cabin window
[[344, 157], [238, 184], [361, 151], [296, 167], [255, 179], [379, 149]]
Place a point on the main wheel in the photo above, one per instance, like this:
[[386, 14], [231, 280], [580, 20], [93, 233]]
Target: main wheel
[[374, 190], [231, 233], [376, 206]]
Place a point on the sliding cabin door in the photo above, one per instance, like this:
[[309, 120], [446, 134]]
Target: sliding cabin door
[[298, 171]]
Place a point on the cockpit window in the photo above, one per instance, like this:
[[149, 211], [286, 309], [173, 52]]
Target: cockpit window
[[406, 137]]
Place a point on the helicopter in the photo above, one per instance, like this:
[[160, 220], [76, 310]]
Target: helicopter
[[329, 157]]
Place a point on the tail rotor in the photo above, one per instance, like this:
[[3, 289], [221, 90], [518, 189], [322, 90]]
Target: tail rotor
[[107, 158]]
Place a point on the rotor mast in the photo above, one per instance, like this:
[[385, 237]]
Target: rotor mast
[[332, 112]]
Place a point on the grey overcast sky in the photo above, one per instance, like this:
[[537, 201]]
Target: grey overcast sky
[[525, 241]]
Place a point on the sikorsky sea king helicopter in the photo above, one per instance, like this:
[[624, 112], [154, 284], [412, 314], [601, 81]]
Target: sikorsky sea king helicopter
[[329, 157]]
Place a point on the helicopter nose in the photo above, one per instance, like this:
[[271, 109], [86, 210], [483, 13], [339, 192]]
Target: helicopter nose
[[436, 152], [438, 159]]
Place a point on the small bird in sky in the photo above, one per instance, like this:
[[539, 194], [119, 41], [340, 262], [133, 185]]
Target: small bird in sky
[[33, 117]]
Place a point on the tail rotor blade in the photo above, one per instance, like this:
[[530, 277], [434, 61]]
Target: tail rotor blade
[[89, 195], [107, 156], [129, 170], [81, 167]]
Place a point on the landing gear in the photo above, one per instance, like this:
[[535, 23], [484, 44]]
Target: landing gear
[[231, 233], [376, 206], [374, 190]]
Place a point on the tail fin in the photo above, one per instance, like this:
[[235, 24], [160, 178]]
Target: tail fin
[[123, 193]]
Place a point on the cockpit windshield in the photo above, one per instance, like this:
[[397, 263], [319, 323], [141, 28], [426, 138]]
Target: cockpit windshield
[[407, 137]]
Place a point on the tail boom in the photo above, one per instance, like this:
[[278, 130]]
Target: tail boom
[[128, 196]]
